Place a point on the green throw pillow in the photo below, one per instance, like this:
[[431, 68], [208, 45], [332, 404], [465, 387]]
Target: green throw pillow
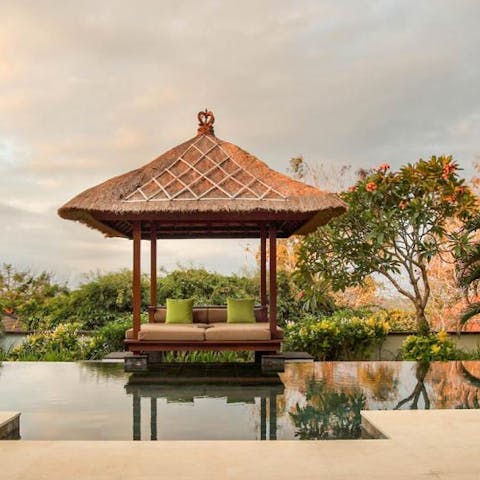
[[179, 310], [241, 310]]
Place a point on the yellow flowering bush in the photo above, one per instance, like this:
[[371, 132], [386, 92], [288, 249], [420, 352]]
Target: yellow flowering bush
[[345, 335], [436, 346], [61, 344]]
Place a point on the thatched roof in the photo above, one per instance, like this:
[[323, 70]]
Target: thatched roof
[[11, 324], [203, 187]]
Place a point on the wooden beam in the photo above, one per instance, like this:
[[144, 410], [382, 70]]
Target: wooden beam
[[137, 293], [153, 273], [272, 234], [263, 271], [210, 217]]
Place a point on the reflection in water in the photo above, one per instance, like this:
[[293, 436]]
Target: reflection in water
[[268, 415], [420, 389], [92, 400], [380, 379], [328, 414], [186, 385], [470, 399]]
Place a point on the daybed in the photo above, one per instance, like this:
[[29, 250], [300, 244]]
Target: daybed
[[209, 331]]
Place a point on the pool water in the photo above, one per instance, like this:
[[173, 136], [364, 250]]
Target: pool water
[[99, 401]]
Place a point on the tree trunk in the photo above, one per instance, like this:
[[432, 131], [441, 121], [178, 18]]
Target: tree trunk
[[422, 322]]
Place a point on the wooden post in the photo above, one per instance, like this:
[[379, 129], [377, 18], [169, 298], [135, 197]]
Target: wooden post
[[137, 292], [272, 234], [153, 273], [263, 271]]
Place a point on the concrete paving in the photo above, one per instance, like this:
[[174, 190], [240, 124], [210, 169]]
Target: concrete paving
[[437, 444]]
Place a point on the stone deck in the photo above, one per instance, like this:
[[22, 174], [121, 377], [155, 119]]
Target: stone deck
[[9, 425], [437, 444]]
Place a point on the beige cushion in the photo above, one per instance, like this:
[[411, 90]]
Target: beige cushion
[[238, 331], [129, 332], [172, 331]]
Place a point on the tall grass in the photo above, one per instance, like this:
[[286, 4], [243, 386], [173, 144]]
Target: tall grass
[[208, 357]]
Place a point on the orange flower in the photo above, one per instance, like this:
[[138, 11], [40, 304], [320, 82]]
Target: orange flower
[[352, 189], [371, 187], [300, 295], [460, 189], [384, 167], [403, 205], [450, 198], [448, 168]]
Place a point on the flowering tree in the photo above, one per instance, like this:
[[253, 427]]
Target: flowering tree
[[468, 267], [395, 225], [22, 290]]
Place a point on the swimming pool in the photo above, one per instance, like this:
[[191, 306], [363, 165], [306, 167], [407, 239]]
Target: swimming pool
[[323, 400]]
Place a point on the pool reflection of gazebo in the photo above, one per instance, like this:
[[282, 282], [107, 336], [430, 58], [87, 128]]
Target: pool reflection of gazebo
[[204, 188], [184, 384]]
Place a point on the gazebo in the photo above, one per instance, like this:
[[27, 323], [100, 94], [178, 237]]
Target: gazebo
[[204, 188]]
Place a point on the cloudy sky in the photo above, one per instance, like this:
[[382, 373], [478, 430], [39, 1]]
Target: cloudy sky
[[91, 89]]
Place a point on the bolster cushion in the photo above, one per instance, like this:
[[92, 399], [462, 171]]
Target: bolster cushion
[[200, 315]]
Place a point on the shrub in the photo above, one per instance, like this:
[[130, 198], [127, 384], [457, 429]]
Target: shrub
[[62, 344], [50, 313], [108, 338], [288, 306], [93, 304], [427, 348], [346, 335], [25, 293], [401, 320], [205, 287], [103, 298], [67, 342]]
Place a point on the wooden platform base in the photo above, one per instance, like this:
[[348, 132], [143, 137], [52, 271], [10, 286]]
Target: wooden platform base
[[276, 362], [163, 346]]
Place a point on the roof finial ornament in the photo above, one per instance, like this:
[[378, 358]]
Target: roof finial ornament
[[206, 120]]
